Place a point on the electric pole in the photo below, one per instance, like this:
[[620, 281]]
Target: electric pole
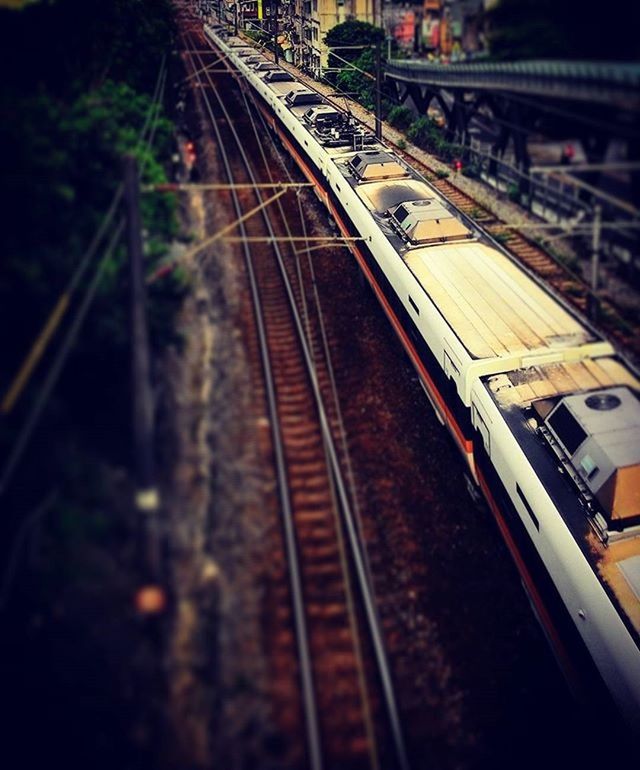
[[146, 497], [275, 34], [378, 90], [594, 303]]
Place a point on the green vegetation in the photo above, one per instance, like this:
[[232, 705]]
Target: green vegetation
[[359, 34], [424, 133], [263, 39], [471, 170], [478, 214], [400, 117], [513, 193], [81, 89], [358, 80]]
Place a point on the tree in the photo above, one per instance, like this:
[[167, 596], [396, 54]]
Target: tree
[[68, 117], [359, 34]]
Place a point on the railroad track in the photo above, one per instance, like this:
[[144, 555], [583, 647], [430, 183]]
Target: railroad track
[[316, 609]]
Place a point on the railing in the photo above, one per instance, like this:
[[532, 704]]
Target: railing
[[607, 82], [555, 200]]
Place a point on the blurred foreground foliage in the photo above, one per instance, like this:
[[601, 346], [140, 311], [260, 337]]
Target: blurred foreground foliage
[[563, 29], [78, 89]]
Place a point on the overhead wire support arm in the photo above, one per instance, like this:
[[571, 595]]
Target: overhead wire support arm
[[353, 66], [194, 187], [328, 240], [232, 225], [203, 70]]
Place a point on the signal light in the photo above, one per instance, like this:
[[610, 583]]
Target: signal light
[[457, 164], [150, 600]]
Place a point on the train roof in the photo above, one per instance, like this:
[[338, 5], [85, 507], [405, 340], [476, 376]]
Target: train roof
[[549, 381], [495, 308], [382, 196], [528, 397]]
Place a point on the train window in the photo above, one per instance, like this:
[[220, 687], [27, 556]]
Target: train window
[[479, 424], [528, 508]]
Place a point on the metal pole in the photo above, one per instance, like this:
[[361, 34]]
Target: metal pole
[[378, 91], [594, 303], [275, 34], [146, 497], [235, 17]]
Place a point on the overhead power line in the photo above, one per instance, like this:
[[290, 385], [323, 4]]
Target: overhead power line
[[57, 365], [59, 310], [57, 314]]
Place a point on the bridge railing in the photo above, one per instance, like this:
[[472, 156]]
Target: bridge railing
[[552, 198], [605, 82]]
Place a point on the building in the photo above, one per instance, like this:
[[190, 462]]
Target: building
[[443, 29], [446, 29], [303, 24]]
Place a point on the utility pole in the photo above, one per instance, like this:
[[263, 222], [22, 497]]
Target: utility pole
[[146, 497], [275, 34], [594, 302], [378, 91], [235, 18]]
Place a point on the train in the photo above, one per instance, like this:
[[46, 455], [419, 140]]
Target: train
[[543, 409]]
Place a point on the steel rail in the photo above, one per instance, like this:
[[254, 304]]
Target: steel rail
[[250, 108], [306, 673], [325, 345], [366, 587]]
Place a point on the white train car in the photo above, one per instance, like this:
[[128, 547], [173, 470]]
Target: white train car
[[545, 415]]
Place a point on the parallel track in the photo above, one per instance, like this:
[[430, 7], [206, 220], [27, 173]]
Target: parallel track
[[340, 721]]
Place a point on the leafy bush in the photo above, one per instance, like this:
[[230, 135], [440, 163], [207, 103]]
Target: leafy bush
[[471, 170], [400, 117], [420, 132], [513, 193]]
